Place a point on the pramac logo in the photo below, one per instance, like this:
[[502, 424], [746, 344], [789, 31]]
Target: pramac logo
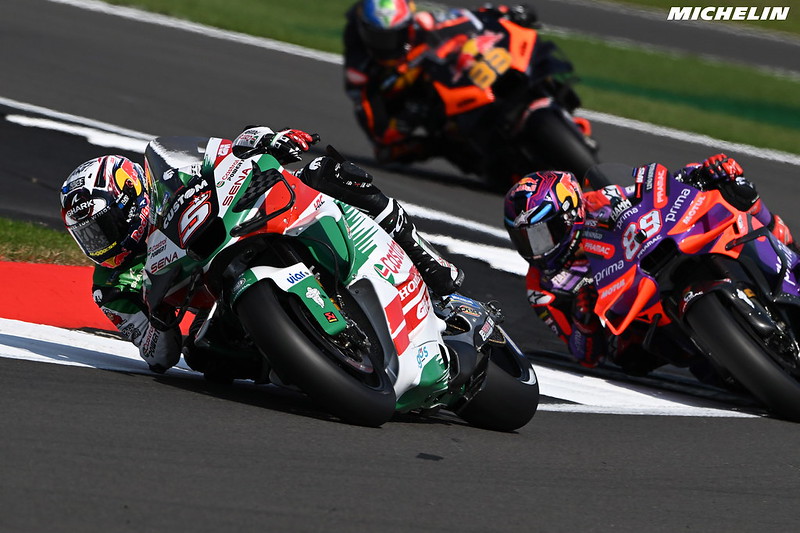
[[602, 249]]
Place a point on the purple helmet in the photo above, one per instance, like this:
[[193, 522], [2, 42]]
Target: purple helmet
[[543, 214]]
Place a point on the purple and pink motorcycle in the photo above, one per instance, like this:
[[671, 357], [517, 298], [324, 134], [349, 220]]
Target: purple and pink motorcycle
[[686, 262]]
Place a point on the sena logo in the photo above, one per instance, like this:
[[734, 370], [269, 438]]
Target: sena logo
[[237, 185], [163, 262]]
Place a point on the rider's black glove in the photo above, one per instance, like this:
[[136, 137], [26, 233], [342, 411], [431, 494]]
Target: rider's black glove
[[327, 175], [725, 174]]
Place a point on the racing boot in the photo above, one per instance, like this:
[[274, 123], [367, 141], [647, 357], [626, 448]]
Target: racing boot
[[441, 276]]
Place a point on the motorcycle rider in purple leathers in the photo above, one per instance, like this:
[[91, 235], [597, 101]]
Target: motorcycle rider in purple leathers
[[105, 205], [546, 216]]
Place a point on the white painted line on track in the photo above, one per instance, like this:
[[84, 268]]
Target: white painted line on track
[[111, 137], [596, 395], [629, 44], [693, 138], [505, 259], [103, 126], [47, 344], [418, 211], [148, 17], [93, 135], [271, 44]]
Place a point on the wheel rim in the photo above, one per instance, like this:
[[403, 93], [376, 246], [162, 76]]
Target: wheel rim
[[349, 349]]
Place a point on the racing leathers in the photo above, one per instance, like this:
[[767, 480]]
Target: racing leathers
[[394, 109], [119, 291], [564, 298]]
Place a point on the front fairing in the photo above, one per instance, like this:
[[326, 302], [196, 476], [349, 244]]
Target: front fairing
[[212, 205], [404, 307], [628, 248], [197, 210]]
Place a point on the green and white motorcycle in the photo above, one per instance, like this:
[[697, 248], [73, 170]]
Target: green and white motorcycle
[[309, 292]]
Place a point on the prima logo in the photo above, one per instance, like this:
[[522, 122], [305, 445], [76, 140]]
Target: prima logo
[[672, 216], [607, 271], [728, 13]]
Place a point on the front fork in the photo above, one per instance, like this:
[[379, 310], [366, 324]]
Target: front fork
[[298, 280], [751, 302]]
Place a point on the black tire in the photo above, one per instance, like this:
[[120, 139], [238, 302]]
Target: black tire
[[297, 350], [508, 396], [745, 356], [558, 142]]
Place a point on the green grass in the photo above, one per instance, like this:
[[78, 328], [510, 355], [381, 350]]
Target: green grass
[[27, 242], [729, 102], [312, 23], [725, 101], [790, 25]]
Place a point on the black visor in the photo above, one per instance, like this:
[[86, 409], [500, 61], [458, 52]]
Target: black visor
[[383, 43], [100, 234]]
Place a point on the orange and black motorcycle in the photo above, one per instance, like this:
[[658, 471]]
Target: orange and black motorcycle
[[495, 98]]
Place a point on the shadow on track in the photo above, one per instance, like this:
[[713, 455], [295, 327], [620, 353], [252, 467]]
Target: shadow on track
[[288, 401]]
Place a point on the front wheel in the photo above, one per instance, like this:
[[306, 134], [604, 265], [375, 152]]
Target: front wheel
[[506, 395], [346, 378], [749, 358]]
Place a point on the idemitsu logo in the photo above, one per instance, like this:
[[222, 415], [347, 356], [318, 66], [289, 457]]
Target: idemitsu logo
[[728, 13]]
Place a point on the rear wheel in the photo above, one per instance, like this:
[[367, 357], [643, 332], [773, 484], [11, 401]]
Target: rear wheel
[[344, 374], [561, 145], [760, 364], [506, 393]]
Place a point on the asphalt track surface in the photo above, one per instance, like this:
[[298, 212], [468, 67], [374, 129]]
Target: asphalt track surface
[[88, 450], [649, 28]]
